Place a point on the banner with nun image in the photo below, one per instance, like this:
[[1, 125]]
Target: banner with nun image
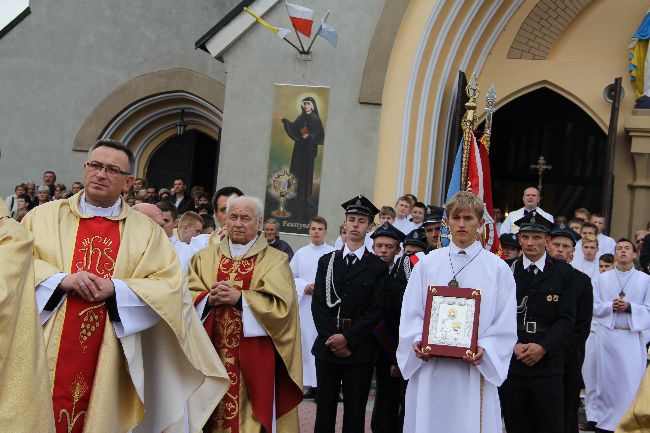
[[296, 156]]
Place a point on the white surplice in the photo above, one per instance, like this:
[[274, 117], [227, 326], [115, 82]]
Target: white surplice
[[444, 395], [590, 268], [606, 245], [304, 265], [616, 356]]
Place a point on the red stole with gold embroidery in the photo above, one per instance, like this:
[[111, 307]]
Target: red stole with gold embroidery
[[95, 251], [253, 358]]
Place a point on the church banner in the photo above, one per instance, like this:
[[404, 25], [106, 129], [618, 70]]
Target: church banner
[[296, 157]]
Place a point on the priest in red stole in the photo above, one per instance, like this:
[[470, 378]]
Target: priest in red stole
[[245, 292], [125, 349], [25, 384]]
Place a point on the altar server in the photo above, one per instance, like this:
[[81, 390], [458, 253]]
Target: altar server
[[459, 395], [617, 345]]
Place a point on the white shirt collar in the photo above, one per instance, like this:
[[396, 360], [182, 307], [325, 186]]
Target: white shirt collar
[[88, 209], [470, 251], [359, 253], [237, 250], [539, 263], [317, 247]]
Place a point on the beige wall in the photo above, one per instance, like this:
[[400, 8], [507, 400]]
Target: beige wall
[[587, 56]]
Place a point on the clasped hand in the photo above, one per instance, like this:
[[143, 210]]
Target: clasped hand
[[620, 305], [89, 286], [223, 294], [338, 344], [529, 353]]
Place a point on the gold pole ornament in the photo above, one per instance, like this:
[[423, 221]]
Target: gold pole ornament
[[468, 124], [490, 103]]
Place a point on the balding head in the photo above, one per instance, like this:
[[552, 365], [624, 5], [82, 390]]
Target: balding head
[[152, 211]]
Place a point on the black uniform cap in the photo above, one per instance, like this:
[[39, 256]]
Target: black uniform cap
[[562, 230], [534, 222], [360, 205], [509, 239], [418, 238], [433, 214], [387, 229]]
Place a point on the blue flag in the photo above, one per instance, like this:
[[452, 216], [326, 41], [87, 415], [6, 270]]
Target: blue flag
[[453, 188]]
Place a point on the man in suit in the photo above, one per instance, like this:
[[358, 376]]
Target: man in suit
[[561, 247], [532, 397], [347, 303], [180, 199]]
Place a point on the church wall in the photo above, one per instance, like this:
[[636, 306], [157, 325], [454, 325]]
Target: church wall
[[582, 62], [258, 60], [66, 56], [587, 56]]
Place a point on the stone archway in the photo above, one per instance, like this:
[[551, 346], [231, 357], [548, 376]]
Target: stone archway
[[142, 113]]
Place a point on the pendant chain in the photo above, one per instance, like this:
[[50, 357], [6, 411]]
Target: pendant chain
[[453, 282]]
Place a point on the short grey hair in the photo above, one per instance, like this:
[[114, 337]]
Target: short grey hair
[[43, 188], [256, 202]]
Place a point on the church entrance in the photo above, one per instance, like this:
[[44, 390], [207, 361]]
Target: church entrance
[[545, 123], [193, 156]]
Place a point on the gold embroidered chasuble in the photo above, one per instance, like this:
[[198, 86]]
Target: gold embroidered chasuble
[[25, 384], [146, 379], [637, 417], [271, 297]]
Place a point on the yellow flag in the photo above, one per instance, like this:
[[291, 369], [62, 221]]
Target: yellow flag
[[278, 31]]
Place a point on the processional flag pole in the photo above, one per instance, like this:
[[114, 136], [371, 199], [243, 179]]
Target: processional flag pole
[[468, 124]]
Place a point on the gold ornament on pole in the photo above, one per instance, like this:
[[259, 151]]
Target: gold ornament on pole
[[468, 125], [283, 183]]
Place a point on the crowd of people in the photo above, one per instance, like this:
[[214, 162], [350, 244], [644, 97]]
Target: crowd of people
[[214, 305]]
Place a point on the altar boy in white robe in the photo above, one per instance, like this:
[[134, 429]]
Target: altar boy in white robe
[[304, 265], [622, 312], [459, 395]]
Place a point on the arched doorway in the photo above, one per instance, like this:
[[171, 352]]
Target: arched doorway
[[193, 156], [545, 123]]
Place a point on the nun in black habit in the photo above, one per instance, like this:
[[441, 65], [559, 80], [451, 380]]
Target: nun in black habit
[[307, 134]]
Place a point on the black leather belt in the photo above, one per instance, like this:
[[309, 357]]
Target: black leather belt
[[341, 323], [531, 327]]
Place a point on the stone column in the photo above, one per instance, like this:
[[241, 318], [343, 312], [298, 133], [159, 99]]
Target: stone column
[[637, 126]]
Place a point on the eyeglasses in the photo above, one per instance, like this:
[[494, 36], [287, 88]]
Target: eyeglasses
[[111, 170]]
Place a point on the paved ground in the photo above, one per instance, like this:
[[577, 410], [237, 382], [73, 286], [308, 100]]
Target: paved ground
[[307, 415]]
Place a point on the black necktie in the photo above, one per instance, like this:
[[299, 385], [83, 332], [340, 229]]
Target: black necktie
[[532, 269], [350, 259]]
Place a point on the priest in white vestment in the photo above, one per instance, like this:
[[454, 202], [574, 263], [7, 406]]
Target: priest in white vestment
[[617, 346], [304, 265], [459, 395]]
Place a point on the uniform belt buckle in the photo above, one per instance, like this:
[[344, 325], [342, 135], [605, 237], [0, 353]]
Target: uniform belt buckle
[[343, 324], [531, 327]]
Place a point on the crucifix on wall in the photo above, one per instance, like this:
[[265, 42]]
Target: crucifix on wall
[[541, 166]]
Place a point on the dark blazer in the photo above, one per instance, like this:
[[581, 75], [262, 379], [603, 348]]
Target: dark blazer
[[551, 304], [362, 291], [187, 204], [574, 352], [283, 246]]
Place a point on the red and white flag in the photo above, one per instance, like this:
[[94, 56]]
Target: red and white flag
[[302, 18], [480, 183]]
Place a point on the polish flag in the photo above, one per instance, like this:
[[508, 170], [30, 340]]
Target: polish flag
[[302, 18], [480, 183]]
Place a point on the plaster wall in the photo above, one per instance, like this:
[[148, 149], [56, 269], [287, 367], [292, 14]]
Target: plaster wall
[[583, 61], [257, 61], [67, 55]]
